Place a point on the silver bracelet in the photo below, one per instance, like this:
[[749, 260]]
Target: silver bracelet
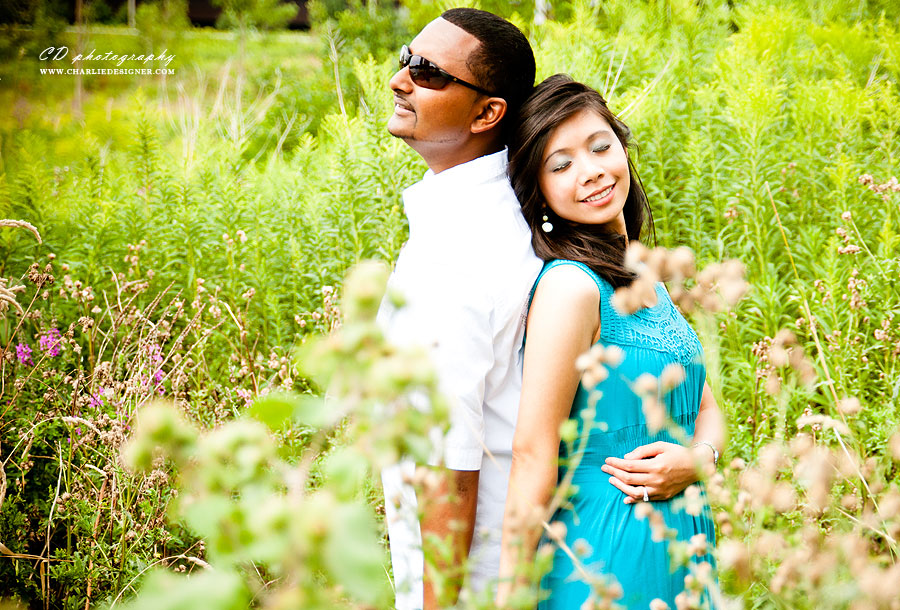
[[711, 446]]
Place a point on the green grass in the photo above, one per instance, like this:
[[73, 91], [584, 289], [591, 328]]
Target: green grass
[[44, 104]]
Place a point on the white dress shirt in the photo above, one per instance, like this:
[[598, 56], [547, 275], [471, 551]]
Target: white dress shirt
[[466, 273]]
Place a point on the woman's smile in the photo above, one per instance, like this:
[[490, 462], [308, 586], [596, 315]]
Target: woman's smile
[[601, 197]]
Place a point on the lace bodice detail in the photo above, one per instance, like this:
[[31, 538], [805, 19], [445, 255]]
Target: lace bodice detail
[[661, 327]]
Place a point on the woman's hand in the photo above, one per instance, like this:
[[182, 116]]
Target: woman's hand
[[663, 469]]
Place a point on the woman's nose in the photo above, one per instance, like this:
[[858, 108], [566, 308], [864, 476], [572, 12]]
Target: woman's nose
[[591, 169]]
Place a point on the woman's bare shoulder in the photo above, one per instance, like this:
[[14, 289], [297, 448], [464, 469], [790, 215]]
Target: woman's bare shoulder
[[568, 284]]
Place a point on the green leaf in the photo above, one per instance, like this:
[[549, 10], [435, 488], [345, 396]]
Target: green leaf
[[208, 589], [568, 430], [353, 556], [274, 410], [346, 471], [313, 411]]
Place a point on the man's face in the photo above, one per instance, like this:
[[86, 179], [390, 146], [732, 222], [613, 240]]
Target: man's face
[[430, 118]]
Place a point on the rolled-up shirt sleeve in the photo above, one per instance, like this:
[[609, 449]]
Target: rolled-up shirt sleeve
[[463, 357]]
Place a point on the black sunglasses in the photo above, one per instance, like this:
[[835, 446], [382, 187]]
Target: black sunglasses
[[428, 75]]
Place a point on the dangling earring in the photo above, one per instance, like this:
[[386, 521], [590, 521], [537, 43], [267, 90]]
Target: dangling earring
[[547, 226]]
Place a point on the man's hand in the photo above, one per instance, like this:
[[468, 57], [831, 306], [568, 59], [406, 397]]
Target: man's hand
[[448, 515], [663, 469]]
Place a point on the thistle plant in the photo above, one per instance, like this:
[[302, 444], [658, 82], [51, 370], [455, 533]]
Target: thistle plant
[[313, 537]]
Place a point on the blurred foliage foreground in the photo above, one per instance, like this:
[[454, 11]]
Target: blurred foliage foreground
[[195, 233]]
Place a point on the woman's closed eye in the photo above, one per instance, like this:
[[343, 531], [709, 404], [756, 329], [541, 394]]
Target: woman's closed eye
[[561, 165], [598, 148]]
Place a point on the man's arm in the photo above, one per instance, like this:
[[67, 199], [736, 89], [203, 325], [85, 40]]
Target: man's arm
[[448, 525], [463, 357]]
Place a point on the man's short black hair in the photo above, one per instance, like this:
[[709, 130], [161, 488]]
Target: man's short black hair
[[503, 63]]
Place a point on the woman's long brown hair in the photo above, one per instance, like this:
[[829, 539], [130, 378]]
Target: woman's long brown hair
[[551, 103]]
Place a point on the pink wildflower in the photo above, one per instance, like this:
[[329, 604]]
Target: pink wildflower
[[97, 400], [157, 381], [50, 342], [246, 395], [23, 353]]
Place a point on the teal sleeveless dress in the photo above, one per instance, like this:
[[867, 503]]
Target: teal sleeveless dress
[[618, 544]]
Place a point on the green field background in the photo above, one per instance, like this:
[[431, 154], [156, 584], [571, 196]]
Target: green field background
[[250, 181]]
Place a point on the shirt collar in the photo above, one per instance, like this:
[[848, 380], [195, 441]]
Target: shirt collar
[[477, 171], [438, 201]]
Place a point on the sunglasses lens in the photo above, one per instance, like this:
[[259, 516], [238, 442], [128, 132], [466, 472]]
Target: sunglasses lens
[[421, 71], [428, 77]]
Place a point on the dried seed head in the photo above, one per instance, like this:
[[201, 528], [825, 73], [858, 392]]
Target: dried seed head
[[849, 249], [693, 500], [801, 444], [785, 338], [881, 586], [773, 384], [557, 531], [672, 376], [614, 355], [681, 261], [894, 445], [757, 485], [642, 510], [582, 548], [702, 571], [656, 260], [645, 385], [850, 502], [783, 497], [654, 413], [698, 545], [584, 361], [772, 458], [737, 464], [734, 556], [592, 376], [778, 356], [769, 544], [889, 506], [642, 291], [825, 422], [849, 406], [635, 254]]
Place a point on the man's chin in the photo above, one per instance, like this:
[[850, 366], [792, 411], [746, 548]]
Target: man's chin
[[399, 128]]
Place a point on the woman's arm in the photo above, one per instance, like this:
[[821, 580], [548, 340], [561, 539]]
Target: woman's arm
[[666, 469], [562, 322]]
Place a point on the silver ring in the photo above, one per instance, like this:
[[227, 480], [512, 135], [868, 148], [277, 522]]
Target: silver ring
[[646, 497]]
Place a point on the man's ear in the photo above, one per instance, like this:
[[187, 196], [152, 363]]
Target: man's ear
[[492, 111]]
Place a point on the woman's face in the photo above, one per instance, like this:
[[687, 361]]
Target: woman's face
[[584, 172]]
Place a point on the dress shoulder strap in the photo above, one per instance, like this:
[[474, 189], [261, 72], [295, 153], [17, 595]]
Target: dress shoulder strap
[[602, 285]]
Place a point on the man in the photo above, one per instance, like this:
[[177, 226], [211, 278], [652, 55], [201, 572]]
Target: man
[[466, 273]]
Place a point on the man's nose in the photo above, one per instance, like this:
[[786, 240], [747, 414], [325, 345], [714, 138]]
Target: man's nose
[[400, 81]]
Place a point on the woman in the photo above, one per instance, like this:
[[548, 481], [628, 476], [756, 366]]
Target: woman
[[579, 191]]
